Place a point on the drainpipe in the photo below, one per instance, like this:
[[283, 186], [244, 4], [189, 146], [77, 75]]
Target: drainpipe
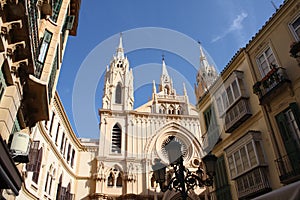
[[264, 109]]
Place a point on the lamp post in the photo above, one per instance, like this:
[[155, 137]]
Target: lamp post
[[184, 180]]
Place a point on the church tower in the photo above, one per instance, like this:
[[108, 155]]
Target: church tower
[[118, 89], [166, 101], [206, 76], [131, 139]]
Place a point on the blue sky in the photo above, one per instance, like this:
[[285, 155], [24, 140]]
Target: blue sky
[[222, 27]]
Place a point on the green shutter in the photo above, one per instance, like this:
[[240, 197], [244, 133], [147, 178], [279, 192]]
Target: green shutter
[[70, 21], [2, 84], [221, 180]]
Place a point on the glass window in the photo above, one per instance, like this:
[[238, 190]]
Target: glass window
[[296, 28], [219, 105], [235, 89], [229, 95], [244, 158], [44, 46], [265, 61], [251, 153], [225, 100], [238, 162], [231, 166]]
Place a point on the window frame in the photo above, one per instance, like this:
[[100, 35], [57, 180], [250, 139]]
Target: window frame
[[223, 93], [292, 29], [270, 66], [246, 144]]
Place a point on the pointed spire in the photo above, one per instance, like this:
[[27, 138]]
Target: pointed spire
[[203, 61], [184, 90], [164, 68], [120, 50], [154, 87]]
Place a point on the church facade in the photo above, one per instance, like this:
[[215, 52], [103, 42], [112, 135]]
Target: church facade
[[130, 139]]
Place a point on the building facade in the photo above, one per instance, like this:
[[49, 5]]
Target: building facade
[[32, 43], [251, 114], [130, 139]]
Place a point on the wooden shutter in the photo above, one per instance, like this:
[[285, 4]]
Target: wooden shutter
[[36, 173], [33, 153]]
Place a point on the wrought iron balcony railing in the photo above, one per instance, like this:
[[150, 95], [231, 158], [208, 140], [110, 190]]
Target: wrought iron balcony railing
[[271, 84], [288, 167]]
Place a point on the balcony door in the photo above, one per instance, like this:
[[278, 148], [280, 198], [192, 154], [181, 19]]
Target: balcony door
[[288, 123]]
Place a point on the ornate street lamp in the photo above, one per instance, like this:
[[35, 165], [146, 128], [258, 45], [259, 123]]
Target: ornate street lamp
[[184, 180]]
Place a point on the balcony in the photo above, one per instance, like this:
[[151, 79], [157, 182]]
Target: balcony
[[237, 114], [210, 138], [295, 51], [288, 167], [271, 85], [253, 183]]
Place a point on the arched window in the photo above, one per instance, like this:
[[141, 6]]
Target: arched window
[[116, 139], [110, 180], [119, 180], [179, 111], [118, 97], [162, 110]]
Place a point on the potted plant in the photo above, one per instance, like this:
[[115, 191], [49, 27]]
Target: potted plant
[[295, 49]]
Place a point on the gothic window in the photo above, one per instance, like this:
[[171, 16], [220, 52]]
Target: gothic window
[[179, 110], [162, 110], [119, 180], [110, 180], [171, 110], [116, 139], [118, 97]]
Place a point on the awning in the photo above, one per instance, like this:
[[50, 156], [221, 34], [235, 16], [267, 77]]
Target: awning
[[10, 177], [290, 192]]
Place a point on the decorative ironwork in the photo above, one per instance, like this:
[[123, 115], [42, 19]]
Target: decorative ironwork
[[180, 178]]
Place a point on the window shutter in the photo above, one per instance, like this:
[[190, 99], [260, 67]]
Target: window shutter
[[70, 21], [281, 122], [33, 153], [36, 173]]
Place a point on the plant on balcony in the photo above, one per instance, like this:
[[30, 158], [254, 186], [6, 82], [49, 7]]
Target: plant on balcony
[[295, 49], [256, 88]]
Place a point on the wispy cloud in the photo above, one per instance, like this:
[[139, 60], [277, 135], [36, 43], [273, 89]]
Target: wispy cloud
[[235, 25]]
